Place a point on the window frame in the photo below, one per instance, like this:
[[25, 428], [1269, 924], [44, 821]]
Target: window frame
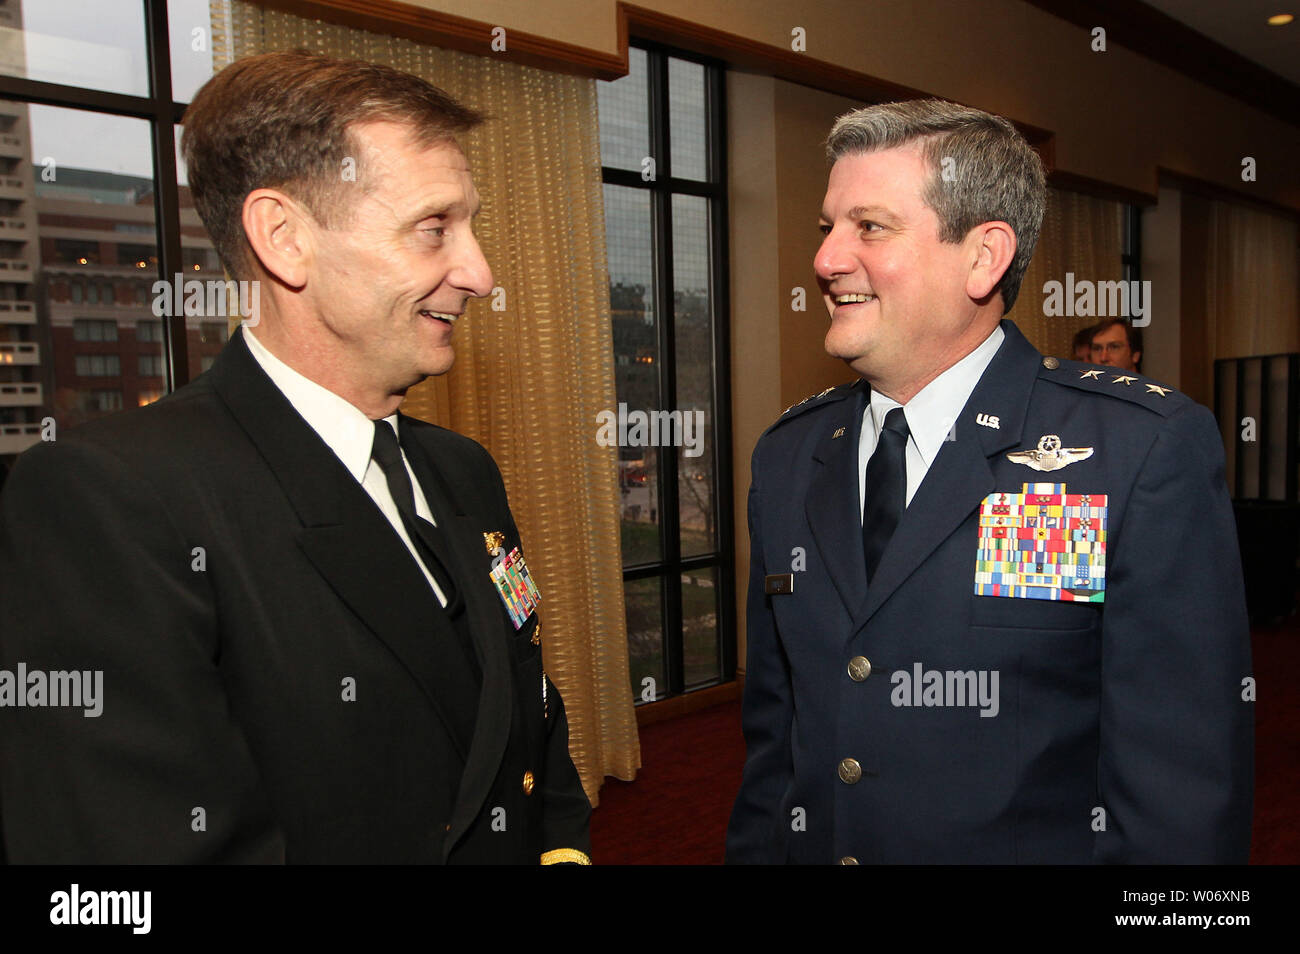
[[672, 565], [163, 115]]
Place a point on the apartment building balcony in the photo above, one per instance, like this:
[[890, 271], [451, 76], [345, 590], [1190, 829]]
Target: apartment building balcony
[[13, 187], [19, 353], [21, 394], [15, 270], [14, 229], [17, 312], [13, 146], [16, 438]]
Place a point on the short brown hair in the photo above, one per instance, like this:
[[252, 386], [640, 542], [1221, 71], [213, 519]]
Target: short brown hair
[[283, 120], [1083, 337], [992, 174], [1132, 335]]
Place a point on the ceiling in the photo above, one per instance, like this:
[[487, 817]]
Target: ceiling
[[1241, 26]]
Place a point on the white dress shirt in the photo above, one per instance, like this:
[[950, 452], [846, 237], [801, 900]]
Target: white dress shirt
[[350, 435], [930, 416]]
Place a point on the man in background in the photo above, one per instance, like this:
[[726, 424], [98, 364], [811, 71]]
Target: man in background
[[1117, 344], [995, 606], [291, 591]]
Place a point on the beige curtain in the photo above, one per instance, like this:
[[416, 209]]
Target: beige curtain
[[1083, 235], [534, 363], [1251, 282]]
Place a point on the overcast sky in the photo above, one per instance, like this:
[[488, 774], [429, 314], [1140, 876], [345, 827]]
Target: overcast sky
[[99, 44]]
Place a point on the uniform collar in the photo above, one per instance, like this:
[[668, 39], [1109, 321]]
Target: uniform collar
[[340, 424], [934, 409]]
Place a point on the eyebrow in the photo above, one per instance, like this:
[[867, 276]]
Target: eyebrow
[[872, 212], [437, 209], [866, 212]]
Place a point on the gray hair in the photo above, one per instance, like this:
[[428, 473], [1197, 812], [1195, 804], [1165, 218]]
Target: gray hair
[[982, 169]]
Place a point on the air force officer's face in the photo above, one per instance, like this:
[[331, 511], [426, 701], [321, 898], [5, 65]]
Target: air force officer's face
[[896, 294]]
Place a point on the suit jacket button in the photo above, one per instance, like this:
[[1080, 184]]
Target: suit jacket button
[[850, 771], [848, 860], [529, 782], [859, 668]]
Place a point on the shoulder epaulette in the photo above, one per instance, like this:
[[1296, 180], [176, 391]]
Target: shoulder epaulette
[[829, 396], [1125, 385]]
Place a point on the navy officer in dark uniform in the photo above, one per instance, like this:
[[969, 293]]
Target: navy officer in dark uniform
[[995, 606]]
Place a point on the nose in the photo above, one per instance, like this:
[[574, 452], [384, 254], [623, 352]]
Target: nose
[[832, 259], [472, 271]]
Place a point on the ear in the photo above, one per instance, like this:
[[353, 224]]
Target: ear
[[279, 231], [1136, 358], [995, 246]]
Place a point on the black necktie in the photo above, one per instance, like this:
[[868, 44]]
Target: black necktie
[[387, 453], [886, 489]]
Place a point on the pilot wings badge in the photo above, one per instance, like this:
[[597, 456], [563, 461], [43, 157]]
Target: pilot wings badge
[[1050, 455]]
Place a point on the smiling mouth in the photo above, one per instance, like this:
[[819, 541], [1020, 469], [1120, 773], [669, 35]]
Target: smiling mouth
[[852, 299], [444, 317]]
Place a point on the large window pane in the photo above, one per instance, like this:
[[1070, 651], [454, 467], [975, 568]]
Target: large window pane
[[96, 45], [77, 266], [700, 645], [686, 116], [645, 639], [636, 358], [693, 324], [190, 24], [625, 116]]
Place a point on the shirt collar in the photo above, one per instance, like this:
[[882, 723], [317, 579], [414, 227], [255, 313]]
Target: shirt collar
[[340, 424], [933, 410]]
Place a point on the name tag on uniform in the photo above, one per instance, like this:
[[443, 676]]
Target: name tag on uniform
[[1042, 544], [775, 583], [518, 592]]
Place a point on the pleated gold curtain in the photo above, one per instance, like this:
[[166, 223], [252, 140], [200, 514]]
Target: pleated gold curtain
[[1083, 235], [534, 362], [1251, 282]]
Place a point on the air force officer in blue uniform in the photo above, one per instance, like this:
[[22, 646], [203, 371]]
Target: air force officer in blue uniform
[[995, 602]]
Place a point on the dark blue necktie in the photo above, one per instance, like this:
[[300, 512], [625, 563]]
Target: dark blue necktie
[[387, 453], [886, 489]]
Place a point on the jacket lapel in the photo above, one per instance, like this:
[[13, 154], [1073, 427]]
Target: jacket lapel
[[348, 539], [470, 563], [834, 514], [960, 476]]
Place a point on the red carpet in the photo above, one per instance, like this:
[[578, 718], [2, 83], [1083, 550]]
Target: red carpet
[[1277, 744], [676, 811]]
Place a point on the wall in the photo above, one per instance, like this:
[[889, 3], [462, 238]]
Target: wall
[[1161, 253], [1116, 116]]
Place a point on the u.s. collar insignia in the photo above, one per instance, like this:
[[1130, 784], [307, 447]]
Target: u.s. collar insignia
[[494, 540], [1050, 455]]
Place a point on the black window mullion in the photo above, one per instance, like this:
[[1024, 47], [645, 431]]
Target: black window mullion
[[661, 145], [1131, 253], [167, 202], [720, 309], [74, 97]]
